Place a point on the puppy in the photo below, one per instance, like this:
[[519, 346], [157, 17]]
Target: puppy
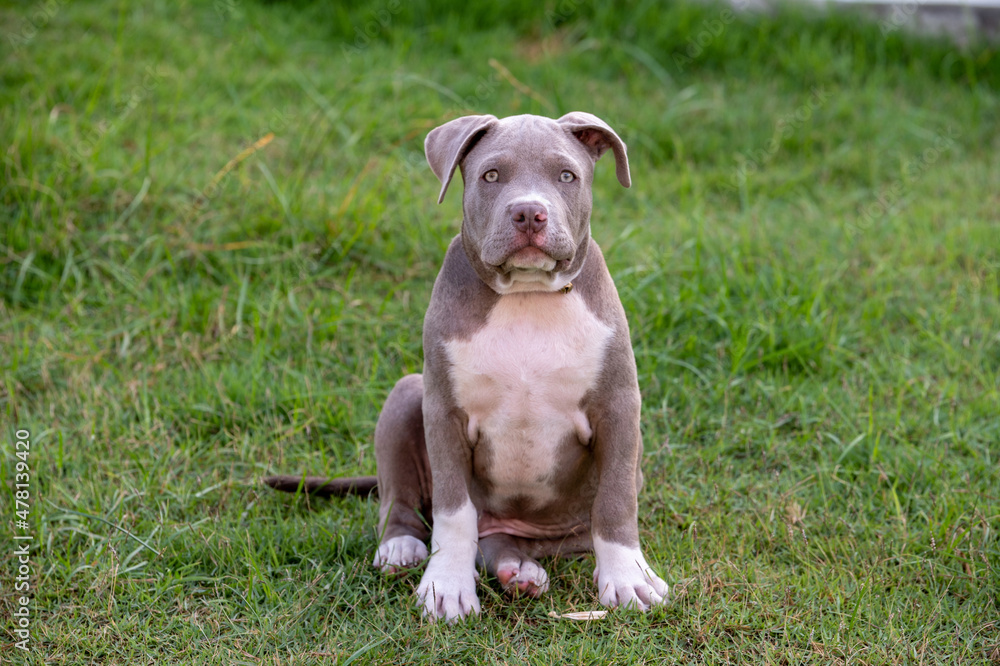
[[520, 439]]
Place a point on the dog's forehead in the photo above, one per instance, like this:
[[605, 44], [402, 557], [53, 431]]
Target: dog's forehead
[[524, 135], [529, 125]]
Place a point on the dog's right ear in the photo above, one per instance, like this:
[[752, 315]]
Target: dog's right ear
[[445, 146]]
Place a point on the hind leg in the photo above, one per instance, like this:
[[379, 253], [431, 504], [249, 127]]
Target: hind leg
[[519, 574], [404, 477], [513, 560]]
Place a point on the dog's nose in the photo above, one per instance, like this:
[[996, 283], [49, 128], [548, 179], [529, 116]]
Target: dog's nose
[[530, 217]]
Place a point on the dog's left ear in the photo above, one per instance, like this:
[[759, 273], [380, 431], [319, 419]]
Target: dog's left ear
[[597, 137], [445, 146]]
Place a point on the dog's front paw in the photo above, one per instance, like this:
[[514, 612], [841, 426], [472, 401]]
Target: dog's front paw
[[624, 578], [447, 595], [401, 552]]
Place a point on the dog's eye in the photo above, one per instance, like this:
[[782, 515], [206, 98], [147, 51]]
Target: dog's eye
[[567, 177], [491, 176]]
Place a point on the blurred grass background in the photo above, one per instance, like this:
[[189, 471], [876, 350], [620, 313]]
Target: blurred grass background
[[218, 237]]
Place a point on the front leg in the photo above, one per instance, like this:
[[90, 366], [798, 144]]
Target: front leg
[[448, 587], [622, 575]]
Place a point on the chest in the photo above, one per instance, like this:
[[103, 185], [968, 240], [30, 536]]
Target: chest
[[521, 379]]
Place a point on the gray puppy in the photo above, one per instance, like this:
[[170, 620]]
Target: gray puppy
[[521, 438]]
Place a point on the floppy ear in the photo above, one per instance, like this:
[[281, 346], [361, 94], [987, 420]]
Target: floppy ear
[[597, 137], [445, 146]]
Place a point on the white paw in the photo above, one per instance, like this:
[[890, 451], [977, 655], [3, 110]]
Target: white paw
[[448, 588], [624, 578], [447, 594], [399, 552], [522, 577]]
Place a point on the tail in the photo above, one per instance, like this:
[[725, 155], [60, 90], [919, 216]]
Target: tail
[[323, 487]]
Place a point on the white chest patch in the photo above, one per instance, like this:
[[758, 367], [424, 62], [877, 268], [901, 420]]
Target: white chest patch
[[521, 378]]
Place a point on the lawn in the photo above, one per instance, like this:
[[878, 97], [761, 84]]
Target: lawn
[[218, 236]]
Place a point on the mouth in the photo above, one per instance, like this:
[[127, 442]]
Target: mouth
[[529, 258]]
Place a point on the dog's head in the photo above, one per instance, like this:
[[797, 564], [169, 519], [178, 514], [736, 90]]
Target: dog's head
[[527, 197]]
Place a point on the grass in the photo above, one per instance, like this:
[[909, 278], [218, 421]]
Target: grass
[[808, 257]]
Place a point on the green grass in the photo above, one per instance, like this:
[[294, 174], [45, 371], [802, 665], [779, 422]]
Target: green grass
[[820, 377]]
